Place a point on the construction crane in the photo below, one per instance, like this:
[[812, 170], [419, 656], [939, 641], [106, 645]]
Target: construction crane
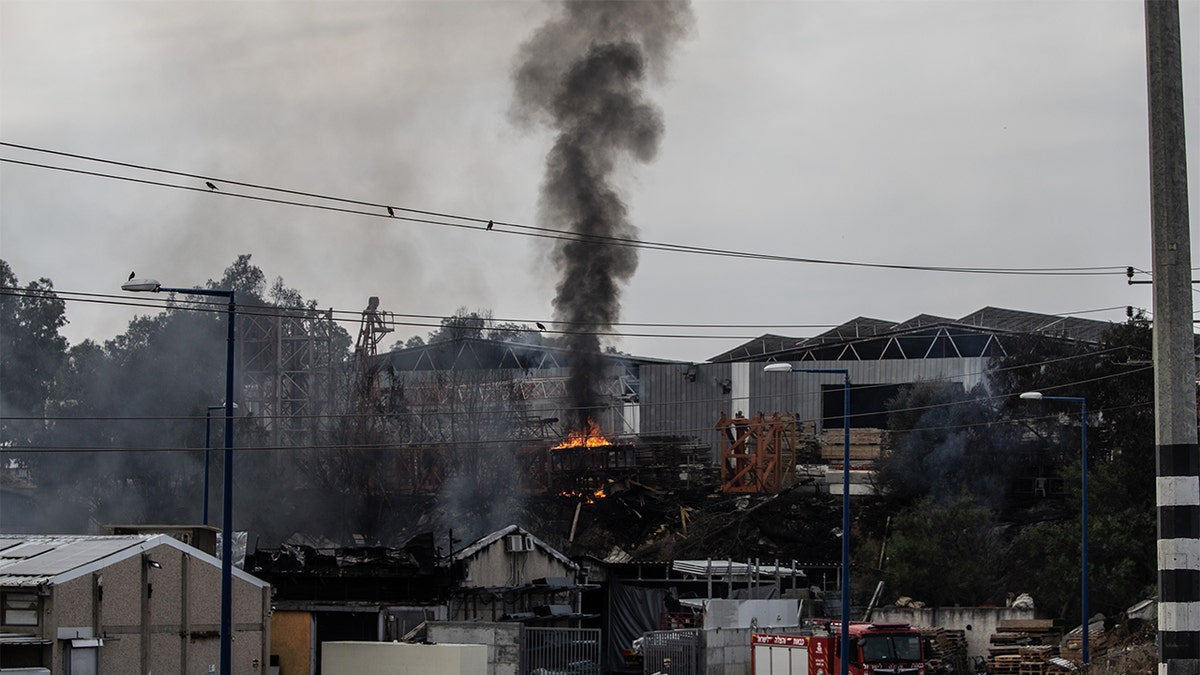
[[374, 326]]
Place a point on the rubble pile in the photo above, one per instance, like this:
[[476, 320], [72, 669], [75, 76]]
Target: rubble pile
[[651, 524]]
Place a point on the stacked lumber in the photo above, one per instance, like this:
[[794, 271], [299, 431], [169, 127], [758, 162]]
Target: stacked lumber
[[1022, 647], [864, 444], [948, 650]]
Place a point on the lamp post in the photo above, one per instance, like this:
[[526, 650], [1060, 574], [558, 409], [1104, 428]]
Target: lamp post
[[788, 368], [207, 436], [1038, 396], [153, 286]]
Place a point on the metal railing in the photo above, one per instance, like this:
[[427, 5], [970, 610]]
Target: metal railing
[[672, 652], [560, 651]]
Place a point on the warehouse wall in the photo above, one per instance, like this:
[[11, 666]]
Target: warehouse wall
[[688, 399]]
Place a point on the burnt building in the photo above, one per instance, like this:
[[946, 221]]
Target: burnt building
[[365, 593]]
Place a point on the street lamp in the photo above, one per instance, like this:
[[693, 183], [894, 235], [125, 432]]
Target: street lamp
[[788, 368], [207, 435], [153, 286], [1038, 396]]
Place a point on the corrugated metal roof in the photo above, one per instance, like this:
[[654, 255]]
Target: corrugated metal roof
[[33, 560], [989, 320], [732, 568]]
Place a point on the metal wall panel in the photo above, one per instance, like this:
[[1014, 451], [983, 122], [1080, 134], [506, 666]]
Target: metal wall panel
[[688, 399], [685, 399]]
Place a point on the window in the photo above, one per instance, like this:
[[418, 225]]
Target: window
[[886, 648], [18, 609]]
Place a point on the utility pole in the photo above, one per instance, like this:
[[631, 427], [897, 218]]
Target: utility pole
[[1178, 459]]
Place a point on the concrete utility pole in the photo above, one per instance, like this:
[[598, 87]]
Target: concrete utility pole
[[1178, 459]]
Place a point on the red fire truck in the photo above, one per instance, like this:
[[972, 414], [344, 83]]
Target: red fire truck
[[875, 649]]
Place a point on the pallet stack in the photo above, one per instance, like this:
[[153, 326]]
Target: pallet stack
[[1022, 647], [1004, 664], [1035, 658], [948, 650]]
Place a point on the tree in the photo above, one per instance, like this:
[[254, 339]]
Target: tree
[[955, 452], [945, 552], [246, 279], [31, 350], [945, 442], [142, 397], [462, 325]]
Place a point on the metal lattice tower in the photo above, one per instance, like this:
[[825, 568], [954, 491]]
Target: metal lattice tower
[[287, 373]]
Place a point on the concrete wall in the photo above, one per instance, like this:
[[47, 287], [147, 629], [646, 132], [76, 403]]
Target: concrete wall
[[402, 658], [977, 623], [503, 641]]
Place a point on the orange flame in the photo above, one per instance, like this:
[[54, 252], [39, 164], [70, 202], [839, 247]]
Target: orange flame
[[584, 495], [590, 437]]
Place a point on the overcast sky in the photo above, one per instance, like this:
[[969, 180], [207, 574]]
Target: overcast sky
[[912, 132]]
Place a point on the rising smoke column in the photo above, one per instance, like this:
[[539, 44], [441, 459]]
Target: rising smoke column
[[583, 75]]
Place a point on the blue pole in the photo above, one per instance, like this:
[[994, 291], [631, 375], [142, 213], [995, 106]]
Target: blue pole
[[1084, 525], [846, 527], [227, 509], [207, 437], [1083, 516], [150, 285], [844, 649]]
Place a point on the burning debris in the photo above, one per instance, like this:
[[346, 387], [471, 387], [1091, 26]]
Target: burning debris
[[589, 436], [583, 75]]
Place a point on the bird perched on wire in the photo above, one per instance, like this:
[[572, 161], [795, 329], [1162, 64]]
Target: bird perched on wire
[[490, 223], [131, 275], [540, 325], [391, 213], [210, 185]]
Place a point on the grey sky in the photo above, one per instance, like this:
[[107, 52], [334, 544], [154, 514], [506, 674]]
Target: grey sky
[[969, 133]]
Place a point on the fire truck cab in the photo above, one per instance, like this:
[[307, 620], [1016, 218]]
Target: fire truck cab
[[875, 649]]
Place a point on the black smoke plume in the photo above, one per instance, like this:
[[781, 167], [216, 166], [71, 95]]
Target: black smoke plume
[[583, 74]]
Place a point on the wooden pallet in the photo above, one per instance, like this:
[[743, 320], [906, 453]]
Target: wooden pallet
[[1005, 664]]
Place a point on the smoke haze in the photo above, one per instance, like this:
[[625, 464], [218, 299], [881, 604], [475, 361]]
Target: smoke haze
[[583, 74]]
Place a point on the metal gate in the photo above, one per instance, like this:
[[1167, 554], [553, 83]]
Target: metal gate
[[672, 652], [560, 651]]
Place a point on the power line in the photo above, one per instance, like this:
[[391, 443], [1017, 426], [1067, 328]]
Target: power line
[[385, 210], [173, 302], [508, 413]]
